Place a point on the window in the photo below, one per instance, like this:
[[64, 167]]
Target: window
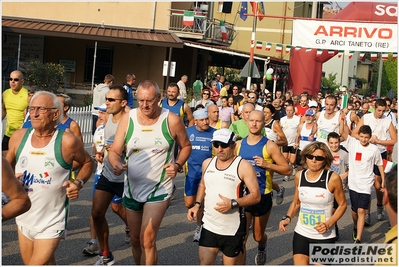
[[104, 59]]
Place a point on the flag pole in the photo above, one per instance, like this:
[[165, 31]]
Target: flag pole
[[251, 51]]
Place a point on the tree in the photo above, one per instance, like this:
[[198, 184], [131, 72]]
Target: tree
[[329, 84], [46, 76], [389, 77]]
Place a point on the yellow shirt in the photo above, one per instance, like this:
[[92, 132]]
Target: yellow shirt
[[15, 104]]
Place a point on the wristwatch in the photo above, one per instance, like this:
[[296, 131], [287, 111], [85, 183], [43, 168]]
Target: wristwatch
[[234, 204], [82, 183], [285, 217]]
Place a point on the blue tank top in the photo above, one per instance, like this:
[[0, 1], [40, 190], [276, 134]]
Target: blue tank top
[[201, 150], [178, 108], [247, 152], [65, 125]]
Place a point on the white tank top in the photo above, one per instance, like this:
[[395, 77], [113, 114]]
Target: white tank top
[[270, 133], [326, 126], [227, 183], [379, 127], [44, 172], [304, 137], [316, 205], [149, 148]]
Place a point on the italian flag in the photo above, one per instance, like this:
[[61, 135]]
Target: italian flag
[[298, 47], [374, 55], [394, 56], [259, 45], [319, 52], [223, 30], [268, 46], [351, 54], [340, 53], [188, 18], [288, 49], [279, 48], [361, 55], [384, 55], [331, 52], [388, 165]]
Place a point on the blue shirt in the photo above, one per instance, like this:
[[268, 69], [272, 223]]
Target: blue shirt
[[129, 90], [201, 150]]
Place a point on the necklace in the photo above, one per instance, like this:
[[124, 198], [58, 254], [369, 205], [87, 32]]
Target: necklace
[[45, 135]]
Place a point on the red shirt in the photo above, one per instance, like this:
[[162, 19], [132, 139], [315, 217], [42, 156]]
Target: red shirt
[[301, 110]]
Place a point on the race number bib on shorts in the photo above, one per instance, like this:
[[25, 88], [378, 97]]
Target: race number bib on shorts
[[309, 217]]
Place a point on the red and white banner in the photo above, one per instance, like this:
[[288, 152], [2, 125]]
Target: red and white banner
[[367, 37]]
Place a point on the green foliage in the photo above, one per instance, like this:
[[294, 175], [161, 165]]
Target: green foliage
[[46, 76], [88, 99], [231, 75], [328, 84], [389, 76]]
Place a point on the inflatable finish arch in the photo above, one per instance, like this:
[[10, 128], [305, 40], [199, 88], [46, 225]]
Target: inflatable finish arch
[[306, 67]]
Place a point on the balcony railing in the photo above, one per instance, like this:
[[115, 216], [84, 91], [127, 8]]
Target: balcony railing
[[203, 29]]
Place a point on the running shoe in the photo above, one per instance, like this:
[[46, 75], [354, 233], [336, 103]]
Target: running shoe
[[380, 213], [294, 171], [103, 260], [280, 195], [367, 220], [354, 234], [91, 249], [260, 258], [197, 234], [127, 235], [286, 178]]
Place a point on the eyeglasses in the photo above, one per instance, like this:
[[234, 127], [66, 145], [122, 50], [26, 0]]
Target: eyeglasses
[[223, 145], [42, 110], [110, 99], [318, 158], [14, 79]]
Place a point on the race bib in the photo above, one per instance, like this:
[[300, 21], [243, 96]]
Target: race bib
[[323, 134], [309, 217]]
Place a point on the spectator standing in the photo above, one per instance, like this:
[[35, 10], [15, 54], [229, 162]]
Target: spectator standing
[[197, 87], [224, 90], [99, 93], [182, 88], [205, 100], [130, 80], [226, 113]]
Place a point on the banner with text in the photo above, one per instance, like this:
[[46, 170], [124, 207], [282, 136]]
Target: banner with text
[[367, 37]]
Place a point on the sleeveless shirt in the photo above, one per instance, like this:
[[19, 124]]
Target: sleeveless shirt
[[149, 148], [44, 172], [326, 126], [316, 205], [177, 108], [227, 183], [265, 176]]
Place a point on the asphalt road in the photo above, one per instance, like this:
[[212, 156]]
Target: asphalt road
[[175, 245]]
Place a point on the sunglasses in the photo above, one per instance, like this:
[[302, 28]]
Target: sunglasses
[[318, 158], [223, 145], [14, 79], [205, 94], [251, 97], [110, 99]]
